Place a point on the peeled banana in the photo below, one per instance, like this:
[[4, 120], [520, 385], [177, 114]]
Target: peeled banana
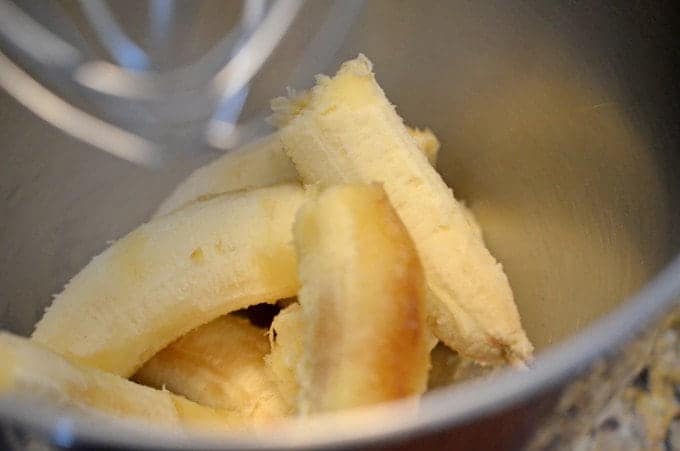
[[220, 365], [285, 337], [173, 274], [255, 165], [29, 370], [348, 132], [365, 338]]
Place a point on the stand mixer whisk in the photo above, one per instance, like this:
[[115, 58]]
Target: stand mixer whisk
[[78, 66]]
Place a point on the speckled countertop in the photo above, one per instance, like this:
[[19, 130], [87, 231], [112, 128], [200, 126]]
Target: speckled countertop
[[645, 414]]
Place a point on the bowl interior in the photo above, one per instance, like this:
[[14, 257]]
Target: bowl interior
[[559, 135], [555, 146]]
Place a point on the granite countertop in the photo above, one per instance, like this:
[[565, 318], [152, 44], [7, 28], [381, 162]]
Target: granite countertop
[[645, 413]]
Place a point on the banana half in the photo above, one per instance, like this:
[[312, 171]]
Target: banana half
[[220, 365], [346, 131], [174, 274], [362, 298], [29, 370]]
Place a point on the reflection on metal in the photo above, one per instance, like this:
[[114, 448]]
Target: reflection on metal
[[318, 55], [38, 42], [187, 106], [112, 37], [132, 104], [223, 123], [257, 49], [161, 14], [109, 79], [253, 11], [322, 49], [75, 122]]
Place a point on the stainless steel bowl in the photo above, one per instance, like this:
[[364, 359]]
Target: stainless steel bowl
[[559, 128]]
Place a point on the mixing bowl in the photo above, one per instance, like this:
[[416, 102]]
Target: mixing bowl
[[559, 128]]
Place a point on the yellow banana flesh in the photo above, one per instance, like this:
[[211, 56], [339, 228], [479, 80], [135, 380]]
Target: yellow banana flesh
[[30, 370], [219, 365], [174, 274], [256, 165], [362, 297], [285, 336], [348, 132]]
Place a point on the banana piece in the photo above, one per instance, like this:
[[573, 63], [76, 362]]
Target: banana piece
[[469, 216], [174, 274], [363, 302], [256, 165], [285, 337], [219, 365], [348, 132], [29, 370]]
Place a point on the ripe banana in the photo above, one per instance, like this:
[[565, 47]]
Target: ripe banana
[[174, 274], [29, 370], [348, 132], [219, 365], [255, 165], [363, 302], [285, 337]]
